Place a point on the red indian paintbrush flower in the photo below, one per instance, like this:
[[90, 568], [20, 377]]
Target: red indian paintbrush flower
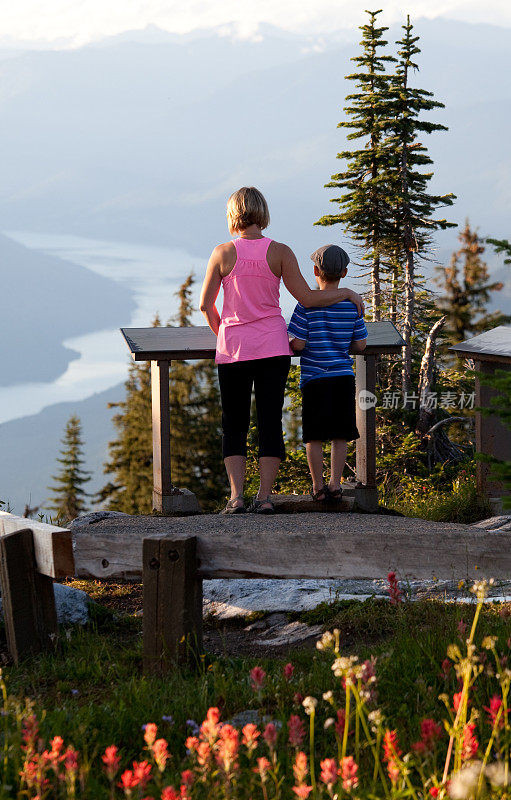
[[227, 748], [263, 765], [300, 768], [431, 732], [339, 725], [395, 593], [169, 793], [209, 727], [160, 753], [270, 735], [470, 743], [296, 730], [187, 777], [257, 676], [391, 749], [329, 771], [393, 771], [349, 769], [150, 732], [302, 791], [250, 736], [493, 710], [111, 760], [288, 671]]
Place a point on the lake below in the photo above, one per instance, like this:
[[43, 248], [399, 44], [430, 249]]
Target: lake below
[[152, 274]]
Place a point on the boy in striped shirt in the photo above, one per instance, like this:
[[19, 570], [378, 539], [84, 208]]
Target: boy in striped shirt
[[324, 337]]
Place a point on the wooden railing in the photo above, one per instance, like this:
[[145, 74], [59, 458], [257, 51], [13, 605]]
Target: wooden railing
[[32, 555]]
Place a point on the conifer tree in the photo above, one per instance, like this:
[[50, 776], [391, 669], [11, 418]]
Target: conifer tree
[[408, 182], [363, 205], [130, 461], [467, 290], [68, 499], [501, 246]]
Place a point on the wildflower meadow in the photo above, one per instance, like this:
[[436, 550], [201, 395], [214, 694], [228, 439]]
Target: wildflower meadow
[[327, 728]]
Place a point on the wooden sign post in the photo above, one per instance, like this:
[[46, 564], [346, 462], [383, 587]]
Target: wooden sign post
[[161, 346]]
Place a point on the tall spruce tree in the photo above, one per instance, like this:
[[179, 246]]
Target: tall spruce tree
[[68, 499], [408, 182], [467, 289], [363, 205], [130, 461], [501, 246]]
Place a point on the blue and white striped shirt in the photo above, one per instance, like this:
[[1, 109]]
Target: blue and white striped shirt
[[328, 332]]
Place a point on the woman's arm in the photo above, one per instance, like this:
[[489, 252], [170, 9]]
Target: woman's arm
[[209, 291], [296, 284]]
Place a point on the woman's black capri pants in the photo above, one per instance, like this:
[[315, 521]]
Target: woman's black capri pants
[[268, 376]]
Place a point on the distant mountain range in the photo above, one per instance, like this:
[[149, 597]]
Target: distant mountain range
[[144, 140]]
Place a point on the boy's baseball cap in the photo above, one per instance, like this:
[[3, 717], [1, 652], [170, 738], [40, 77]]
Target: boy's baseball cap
[[331, 259]]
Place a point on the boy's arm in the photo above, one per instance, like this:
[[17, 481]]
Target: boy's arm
[[359, 338], [296, 345], [357, 346], [298, 329]]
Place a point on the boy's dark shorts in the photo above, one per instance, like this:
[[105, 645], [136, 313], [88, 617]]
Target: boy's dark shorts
[[328, 409]]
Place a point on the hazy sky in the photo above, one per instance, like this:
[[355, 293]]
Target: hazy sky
[[77, 22]]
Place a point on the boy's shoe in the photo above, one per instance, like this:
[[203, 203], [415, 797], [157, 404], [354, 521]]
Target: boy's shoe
[[317, 496], [231, 508], [334, 494], [258, 503]]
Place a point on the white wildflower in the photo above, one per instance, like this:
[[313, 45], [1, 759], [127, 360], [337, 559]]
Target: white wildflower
[[329, 722], [496, 774], [342, 664], [309, 705], [463, 784], [326, 642]]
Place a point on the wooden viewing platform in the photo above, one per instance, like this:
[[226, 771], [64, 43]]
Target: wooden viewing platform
[[161, 346]]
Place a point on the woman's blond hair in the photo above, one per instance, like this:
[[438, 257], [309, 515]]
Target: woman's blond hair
[[247, 207]]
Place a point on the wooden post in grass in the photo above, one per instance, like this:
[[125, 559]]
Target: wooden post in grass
[[27, 595], [172, 603]]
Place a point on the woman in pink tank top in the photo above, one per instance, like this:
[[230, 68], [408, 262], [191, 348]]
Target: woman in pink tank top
[[252, 342]]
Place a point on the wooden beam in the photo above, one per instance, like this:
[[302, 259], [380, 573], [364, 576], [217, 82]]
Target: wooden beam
[[326, 546], [27, 597], [53, 546], [365, 394], [162, 475], [172, 631]]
